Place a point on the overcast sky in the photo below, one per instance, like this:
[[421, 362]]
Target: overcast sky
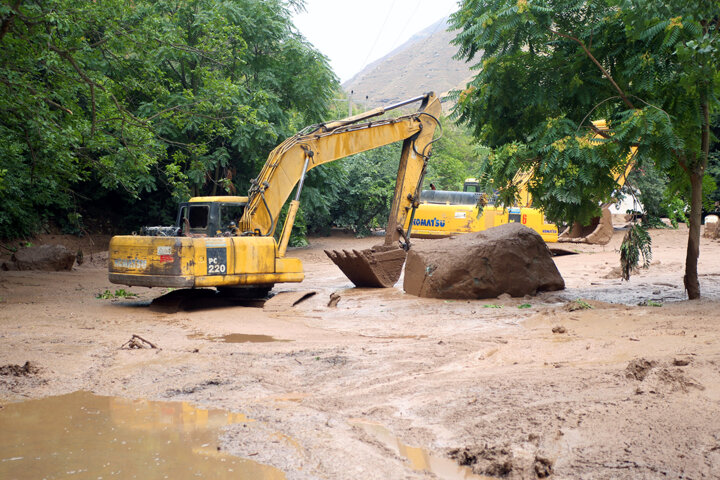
[[353, 33]]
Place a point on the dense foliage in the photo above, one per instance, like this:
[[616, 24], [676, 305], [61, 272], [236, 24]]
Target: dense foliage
[[123, 108], [549, 67]]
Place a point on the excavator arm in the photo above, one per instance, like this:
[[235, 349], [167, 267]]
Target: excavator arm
[[290, 161]]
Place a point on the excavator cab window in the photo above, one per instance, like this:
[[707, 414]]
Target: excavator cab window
[[193, 219], [198, 217], [230, 215], [471, 187]]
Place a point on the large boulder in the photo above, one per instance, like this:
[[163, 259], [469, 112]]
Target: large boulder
[[44, 257], [511, 259]]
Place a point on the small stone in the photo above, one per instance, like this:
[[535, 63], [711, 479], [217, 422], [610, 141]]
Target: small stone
[[559, 329]]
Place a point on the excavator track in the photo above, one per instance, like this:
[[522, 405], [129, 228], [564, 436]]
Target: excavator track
[[376, 267]]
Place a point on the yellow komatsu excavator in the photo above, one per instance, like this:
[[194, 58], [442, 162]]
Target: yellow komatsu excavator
[[228, 242], [443, 213]]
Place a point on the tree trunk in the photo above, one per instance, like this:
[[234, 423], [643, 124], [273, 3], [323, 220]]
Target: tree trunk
[[692, 284], [216, 180]]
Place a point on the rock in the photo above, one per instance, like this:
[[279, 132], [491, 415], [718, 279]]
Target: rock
[[44, 257], [559, 329], [510, 259], [712, 229]]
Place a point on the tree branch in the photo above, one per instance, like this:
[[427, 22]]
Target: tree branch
[[595, 61], [7, 22]]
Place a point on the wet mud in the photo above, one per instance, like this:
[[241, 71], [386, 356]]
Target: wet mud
[[419, 459], [627, 386]]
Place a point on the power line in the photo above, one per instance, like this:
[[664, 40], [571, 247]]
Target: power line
[[417, 6], [382, 29]]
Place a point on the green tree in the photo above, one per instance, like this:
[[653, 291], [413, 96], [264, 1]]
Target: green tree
[[454, 157], [147, 99], [550, 66]]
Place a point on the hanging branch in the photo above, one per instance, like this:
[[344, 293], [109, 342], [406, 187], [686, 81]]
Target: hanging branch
[[599, 65]]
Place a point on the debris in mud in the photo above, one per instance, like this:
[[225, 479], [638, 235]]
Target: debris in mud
[[543, 467], [559, 329], [599, 232], [285, 300], [137, 342], [190, 389], [615, 272], [677, 381], [510, 259], [639, 368], [29, 368], [334, 299], [576, 305], [486, 460], [50, 258]]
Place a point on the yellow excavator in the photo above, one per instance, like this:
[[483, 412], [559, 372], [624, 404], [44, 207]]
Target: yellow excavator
[[229, 243], [443, 212]]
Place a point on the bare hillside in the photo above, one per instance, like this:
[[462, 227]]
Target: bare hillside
[[422, 64]]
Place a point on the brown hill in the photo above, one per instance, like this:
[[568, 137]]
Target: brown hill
[[422, 64]]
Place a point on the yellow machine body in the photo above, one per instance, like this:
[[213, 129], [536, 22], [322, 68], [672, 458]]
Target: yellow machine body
[[437, 221], [444, 213], [186, 262]]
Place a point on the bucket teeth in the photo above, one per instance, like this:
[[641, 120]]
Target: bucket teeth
[[373, 267]]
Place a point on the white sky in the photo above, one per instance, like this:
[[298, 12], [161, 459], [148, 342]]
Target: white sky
[[353, 33]]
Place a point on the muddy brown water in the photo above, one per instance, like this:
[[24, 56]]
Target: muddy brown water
[[419, 459], [81, 435], [239, 338]]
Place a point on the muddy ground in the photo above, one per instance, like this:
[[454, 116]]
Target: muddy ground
[[513, 387]]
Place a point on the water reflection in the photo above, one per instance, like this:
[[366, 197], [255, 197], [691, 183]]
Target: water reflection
[[238, 338], [419, 458], [82, 435]]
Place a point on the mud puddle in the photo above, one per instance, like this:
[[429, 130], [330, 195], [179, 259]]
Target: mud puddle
[[238, 338], [82, 435], [639, 292], [419, 459]]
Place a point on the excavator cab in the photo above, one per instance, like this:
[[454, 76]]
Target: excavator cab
[[210, 216], [471, 185]]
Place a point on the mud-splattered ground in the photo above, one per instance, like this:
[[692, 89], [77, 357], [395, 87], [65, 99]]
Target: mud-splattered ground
[[513, 387]]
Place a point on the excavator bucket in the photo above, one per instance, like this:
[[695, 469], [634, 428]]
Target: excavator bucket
[[376, 267], [599, 232]]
